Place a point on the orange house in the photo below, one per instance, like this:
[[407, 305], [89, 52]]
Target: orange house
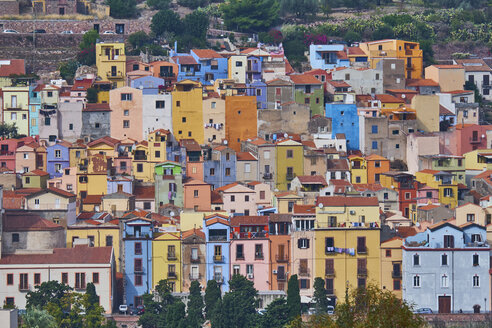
[[240, 120], [197, 195], [375, 166]]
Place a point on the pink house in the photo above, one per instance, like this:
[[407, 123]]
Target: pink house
[[263, 193], [238, 199], [126, 113], [464, 138], [426, 195], [250, 252], [67, 182], [197, 195], [8, 148]]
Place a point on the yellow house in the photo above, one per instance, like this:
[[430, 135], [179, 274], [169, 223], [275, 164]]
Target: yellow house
[[428, 113], [77, 154], [102, 88], [396, 49], [111, 63], [285, 201], [390, 103], [391, 261], [479, 160], [341, 211], [148, 153], [290, 162], [347, 257], [92, 176], [442, 181], [35, 179], [449, 77], [188, 111], [98, 233], [166, 259], [16, 107], [105, 145], [358, 169]]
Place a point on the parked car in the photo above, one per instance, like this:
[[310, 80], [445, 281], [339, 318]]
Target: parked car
[[39, 31], [140, 310], [330, 309], [109, 32], [262, 312], [423, 311], [10, 31], [67, 32], [311, 311], [123, 308]]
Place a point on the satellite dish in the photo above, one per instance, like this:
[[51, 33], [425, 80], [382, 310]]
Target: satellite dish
[[417, 224], [171, 213], [285, 135], [403, 96], [225, 142], [320, 205]]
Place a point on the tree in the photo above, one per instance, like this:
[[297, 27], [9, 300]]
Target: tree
[[139, 39], [158, 4], [165, 21], [195, 306], [472, 86], [250, 15], [94, 312], [68, 69], [320, 295], [196, 24], [122, 8], [48, 292], [193, 4], [212, 296], [276, 316], [293, 297], [8, 130], [91, 95], [383, 32], [351, 37], [87, 54], [300, 8], [36, 318]]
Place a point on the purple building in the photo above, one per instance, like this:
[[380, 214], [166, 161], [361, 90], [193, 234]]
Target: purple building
[[58, 158]]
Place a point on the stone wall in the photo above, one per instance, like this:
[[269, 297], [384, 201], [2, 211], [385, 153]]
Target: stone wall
[[9, 7]]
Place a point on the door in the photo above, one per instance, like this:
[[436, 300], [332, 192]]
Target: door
[[13, 102], [444, 304], [281, 252], [96, 27], [113, 70]]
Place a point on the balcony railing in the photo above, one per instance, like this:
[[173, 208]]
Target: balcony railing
[[259, 256], [218, 278], [171, 257], [304, 272], [282, 258], [171, 275], [362, 271], [281, 277], [290, 176], [167, 75], [197, 276], [249, 235], [218, 258], [217, 238], [330, 272], [194, 259], [362, 250], [267, 176], [117, 75], [396, 274], [7, 153]]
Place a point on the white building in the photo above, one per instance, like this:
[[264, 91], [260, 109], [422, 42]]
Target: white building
[[156, 113]]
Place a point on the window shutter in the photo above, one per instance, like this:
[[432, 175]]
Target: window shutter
[[307, 240], [299, 243], [307, 283]]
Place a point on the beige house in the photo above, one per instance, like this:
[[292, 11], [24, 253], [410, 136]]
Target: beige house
[[118, 203], [213, 118], [449, 77], [263, 193], [238, 199], [246, 167], [67, 182], [126, 113], [25, 158], [53, 204], [470, 213], [427, 109]]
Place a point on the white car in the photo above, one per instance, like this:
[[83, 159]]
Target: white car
[[109, 32], [67, 32], [10, 31], [123, 308]]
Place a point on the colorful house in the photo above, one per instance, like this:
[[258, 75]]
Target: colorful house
[[35, 179], [219, 166], [405, 185], [193, 257], [188, 111], [478, 160], [217, 231], [376, 165], [289, 162], [328, 56], [309, 91], [238, 199], [279, 234], [16, 107], [111, 63], [126, 113], [358, 169], [167, 259], [240, 120], [58, 158], [344, 120], [168, 184], [443, 182], [391, 266], [197, 195], [148, 153]]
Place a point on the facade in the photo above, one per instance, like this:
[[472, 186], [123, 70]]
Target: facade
[[167, 259], [193, 250], [126, 113], [111, 63], [240, 120], [344, 120], [217, 237], [328, 56], [188, 111], [279, 233], [391, 265], [96, 121], [289, 162]]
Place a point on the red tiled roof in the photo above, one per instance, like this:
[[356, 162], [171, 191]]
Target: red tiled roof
[[191, 232], [16, 66], [458, 92], [27, 222], [429, 171], [337, 165], [374, 157], [61, 192], [92, 199], [97, 108], [144, 192], [304, 79], [206, 53], [339, 182], [304, 209], [106, 140], [259, 142], [190, 145], [428, 207], [216, 197], [354, 51], [401, 91], [82, 85], [75, 255], [347, 201], [474, 65], [217, 220], [443, 111], [245, 156], [388, 99], [237, 221], [338, 84], [185, 60], [37, 172], [368, 186], [405, 232], [342, 55], [448, 66], [227, 186], [421, 83], [312, 179]]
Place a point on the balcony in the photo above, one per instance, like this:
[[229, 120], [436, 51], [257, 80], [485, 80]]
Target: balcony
[[267, 176], [362, 271], [218, 278], [171, 275], [304, 272], [396, 274], [259, 256], [138, 269], [218, 258], [217, 238], [282, 258], [249, 235], [6, 153], [194, 259], [140, 157], [330, 272], [171, 257], [114, 75], [362, 250], [168, 75], [239, 256], [290, 176], [281, 277], [24, 288], [196, 276], [474, 140], [383, 53]]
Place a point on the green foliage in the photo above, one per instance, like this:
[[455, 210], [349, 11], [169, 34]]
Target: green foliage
[[320, 297], [165, 21], [158, 4], [196, 24], [472, 86], [193, 4], [276, 316], [293, 297], [351, 37], [37, 318], [194, 316], [87, 54], [50, 291], [91, 95], [250, 15], [299, 8], [383, 32], [212, 296], [428, 52], [139, 39], [68, 69], [238, 308], [122, 8]]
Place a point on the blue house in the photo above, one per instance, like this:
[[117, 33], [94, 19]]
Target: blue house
[[217, 236], [120, 183], [446, 268], [253, 71], [344, 119], [328, 56], [219, 166], [202, 65], [148, 84], [137, 241], [258, 88], [34, 107], [57, 158]]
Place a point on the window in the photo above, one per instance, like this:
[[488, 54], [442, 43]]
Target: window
[[246, 198], [157, 154], [15, 237], [139, 167], [361, 282], [247, 168], [10, 279], [290, 153], [448, 192], [396, 284], [470, 217], [388, 253], [160, 104], [80, 280], [408, 195], [64, 278], [57, 153], [303, 243], [266, 154], [109, 240], [183, 119], [476, 260], [444, 281], [195, 193], [448, 241], [374, 129], [258, 252], [239, 252], [138, 280], [50, 94], [476, 281], [304, 283], [233, 198], [307, 101], [126, 112], [212, 171], [262, 194], [329, 245], [126, 124], [444, 259], [227, 172], [361, 245], [138, 248], [9, 301], [147, 205], [126, 97], [95, 277], [476, 238], [416, 260], [374, 145], [329, 266], [416, 281]]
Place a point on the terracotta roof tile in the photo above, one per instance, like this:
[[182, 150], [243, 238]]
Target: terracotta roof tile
[[217, 220], [388, 99], [312, 179], [184, 60], [82, 85], [206, 53], [27, 222], [216, 197], [338, 84], [304, 209], [12, 66], [106, 140], [443, 111], [92, 199], [237, 221], [245, 156], [37, 172], [144, 192], [474, 65], [304, 79], [96, 108], [188, 233], [275, 217], [448, 66], [337, 165], [356, 51], [421, 83]]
